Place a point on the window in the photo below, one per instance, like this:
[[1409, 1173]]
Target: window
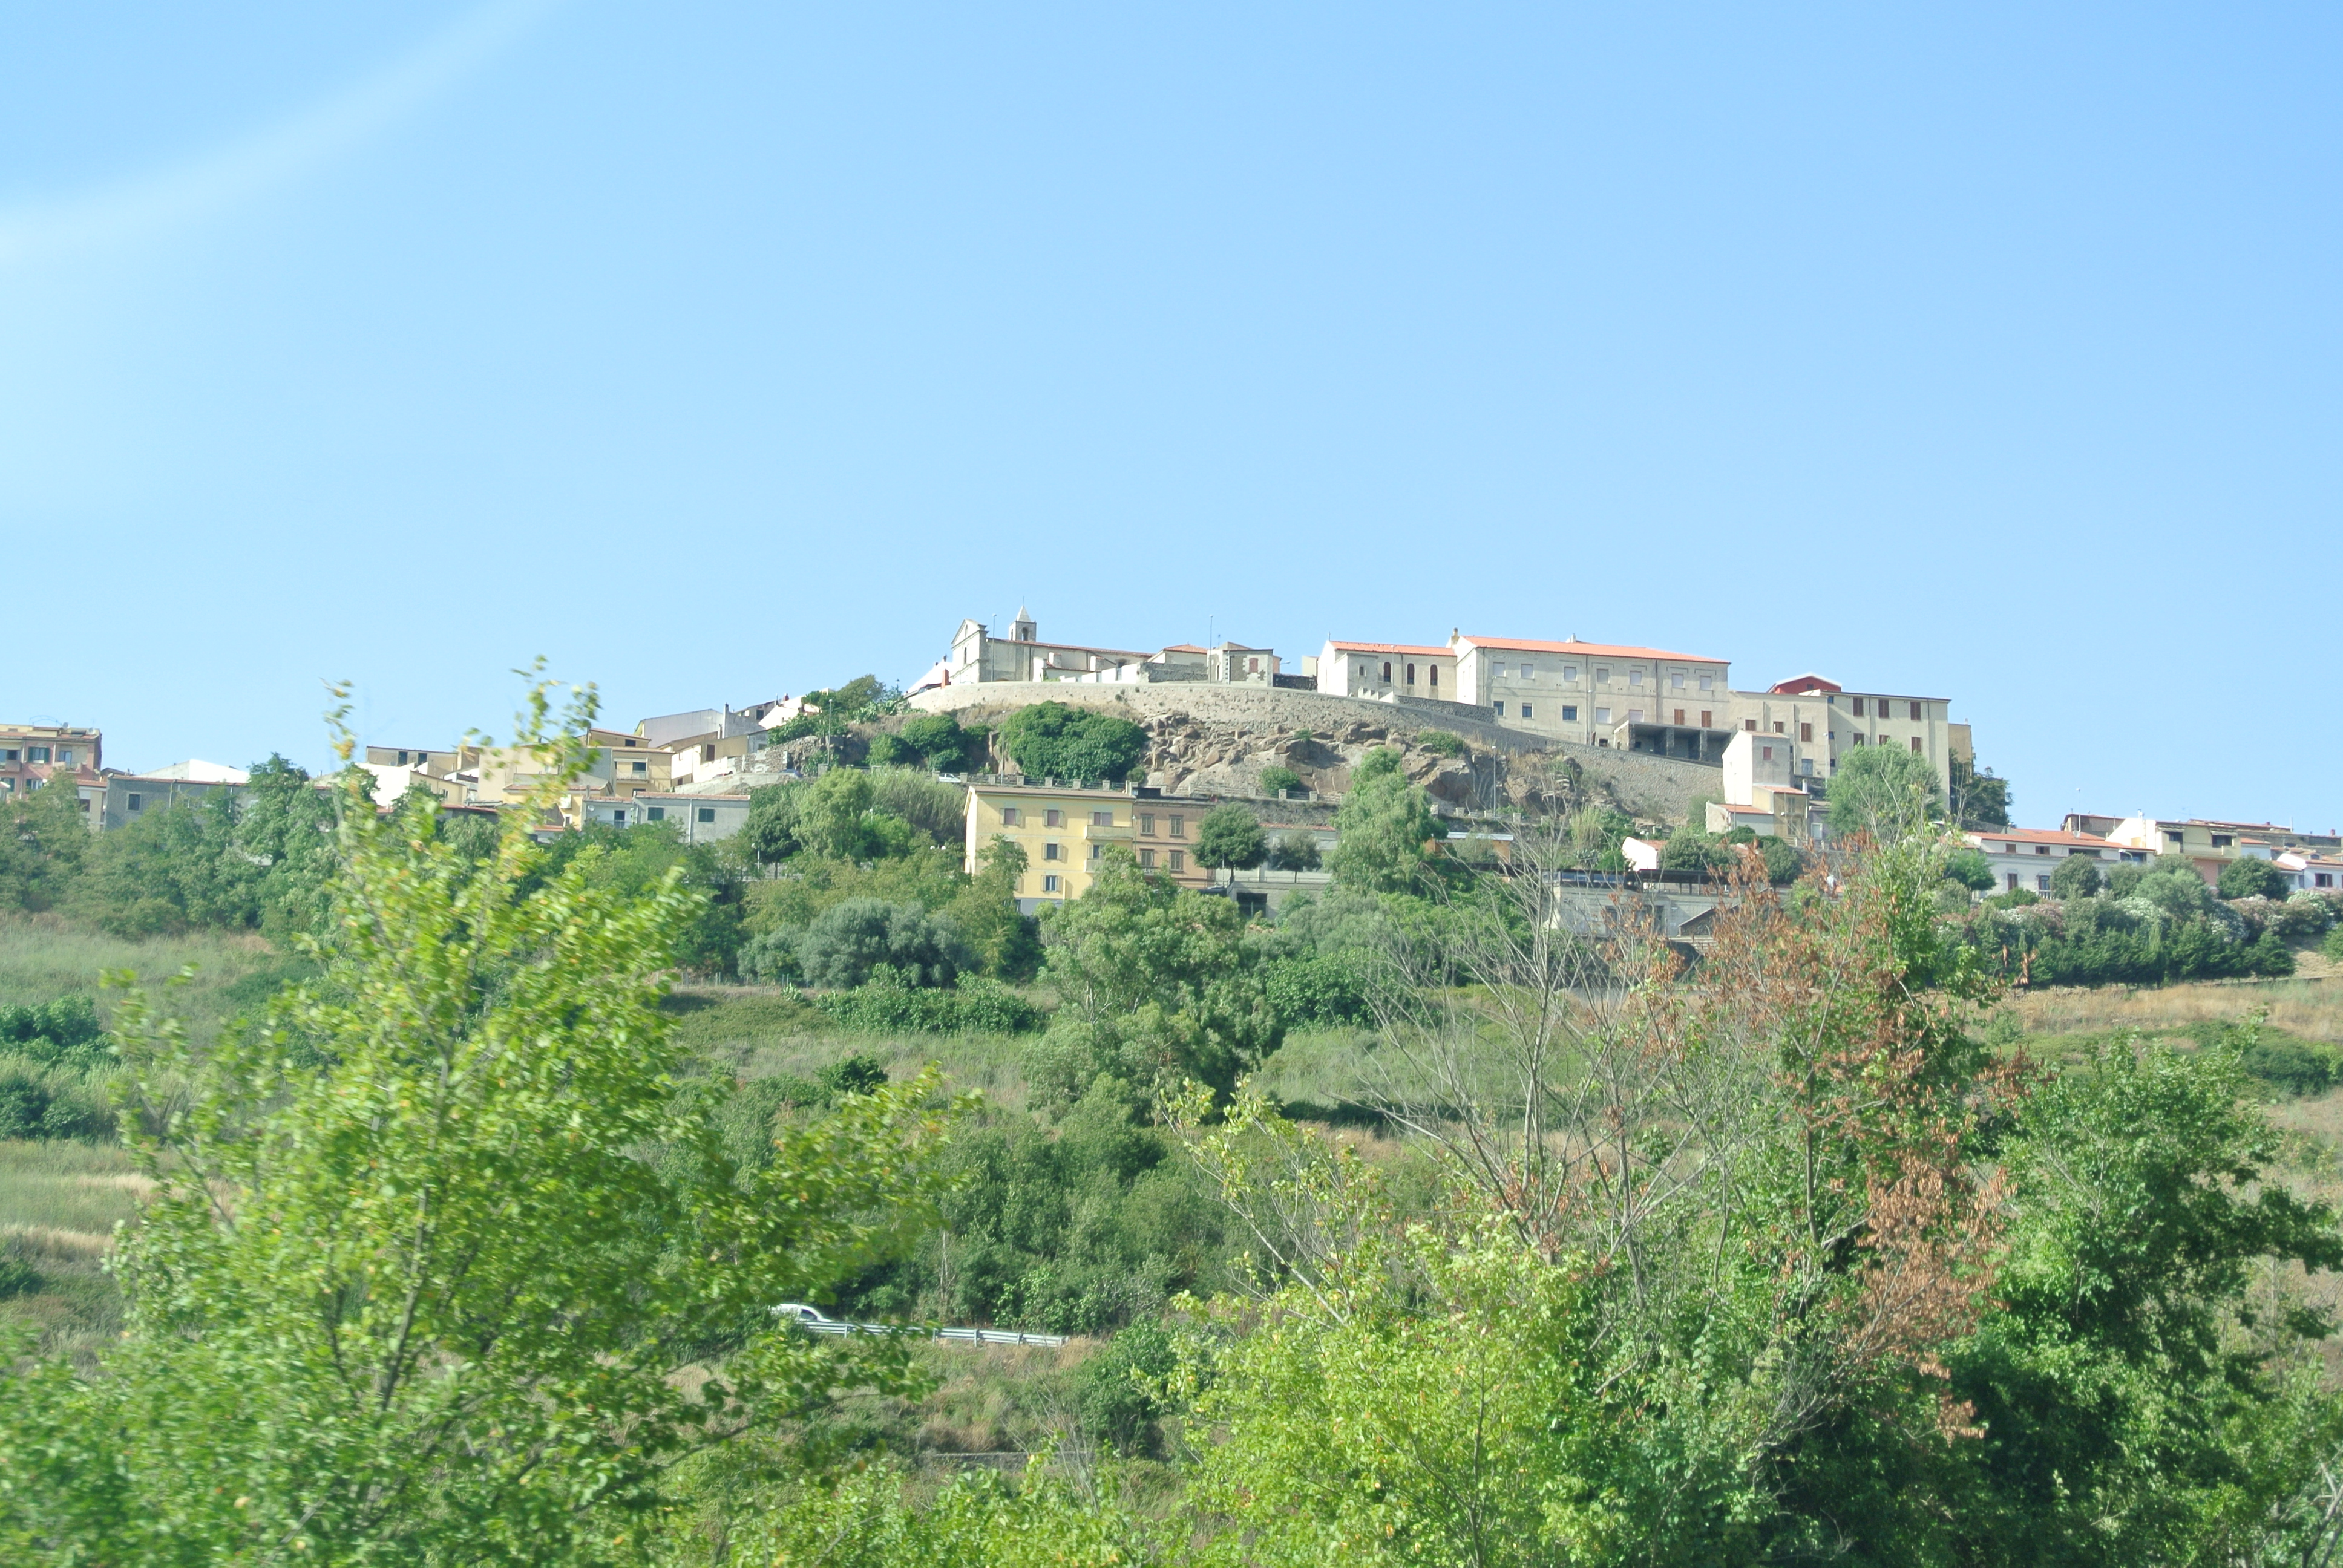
[[1569, 713], [707, 813], [1387, 669], [1008, 817], [1751, 725], [708, 754], [2041, 848], [2013, 881], [7, 756], [1602, 716], [1146, 860], [36, 754], [1526, 711], [1781, 729], [1147, 824], [2222, 840], [1807, 765], [1500, 705], [2170, 836], [1569, 672], [1253, 666], [642, 769], [1708, 683], [65, 756], [1049, 884], [1179, 827], [1680, 716], [1705, 717], [1050, 852], [137, 803], [1052, 817], [402, 759], [1411, 674], [1435, 678], [1102, 819], [2322, 879], [1769, 752], [1634, 715], [83, 806], [1098, 848], [1634, 678], [1676, 680], [1858, 707], [1601, 676], [619, 817], [1529, 672], [1915, 713], [1179, 860], [1500, 672], [1916, 743], [1806, 733], [2043, 883], [655, 814]]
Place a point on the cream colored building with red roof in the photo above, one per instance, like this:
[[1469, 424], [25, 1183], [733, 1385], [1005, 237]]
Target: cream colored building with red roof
[[2027, 857]]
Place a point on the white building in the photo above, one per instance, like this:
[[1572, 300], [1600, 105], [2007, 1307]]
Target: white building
[[1600, 694], [2026, 856], [1387, 669]]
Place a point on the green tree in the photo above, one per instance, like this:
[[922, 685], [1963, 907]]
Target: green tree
[[848, 940], [1156, 985], [1969, 867], [1980, 797], [2077, 876], [891, 751], [44, 841], [1386, 838], [1689, 851], [2247, 878], [1883, 791], [939, 737], [1054, 741], [1295, 852], [432, 1303], [1229, 837], [1277, 778]]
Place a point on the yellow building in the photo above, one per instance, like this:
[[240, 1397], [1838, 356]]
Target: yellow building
[[1065, 832]]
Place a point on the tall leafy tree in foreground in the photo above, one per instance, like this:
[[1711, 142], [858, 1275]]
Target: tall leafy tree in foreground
[[442, 1267]]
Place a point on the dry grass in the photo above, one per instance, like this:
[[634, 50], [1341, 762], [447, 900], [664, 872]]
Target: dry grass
[[2312, 1008]]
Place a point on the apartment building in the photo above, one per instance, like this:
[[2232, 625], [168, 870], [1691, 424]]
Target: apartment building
[[1826, 722], [126, 797], [1065, 832], [699, 818], [1601, 694], [2026, 857], [34, 755]]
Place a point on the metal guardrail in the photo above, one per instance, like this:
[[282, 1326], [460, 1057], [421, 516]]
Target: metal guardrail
[[814, 1323]]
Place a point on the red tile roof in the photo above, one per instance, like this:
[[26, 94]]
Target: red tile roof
[[2051, 836], [1589, 649]]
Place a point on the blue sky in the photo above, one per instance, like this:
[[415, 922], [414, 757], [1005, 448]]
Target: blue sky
[[719, 351]]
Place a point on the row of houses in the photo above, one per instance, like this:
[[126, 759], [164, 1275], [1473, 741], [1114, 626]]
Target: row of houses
[[1609, 695]]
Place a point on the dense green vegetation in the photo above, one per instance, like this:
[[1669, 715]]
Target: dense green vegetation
[[455, 1239]]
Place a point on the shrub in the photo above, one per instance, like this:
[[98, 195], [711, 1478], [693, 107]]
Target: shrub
[[2076, 877], [65, 1032], [1118, 1398], [891, 751], [2247, 878], [1057, 741], [854, 1074], [1969, 867], [2333, 946], [975, 1006], [1317, 992], [1783, 862], [38, 1100], [1686, 851], [1276, 779], [848, 941], [770, 957], [17, 1277], [1440, 741], [939, 737], [2123, 881]]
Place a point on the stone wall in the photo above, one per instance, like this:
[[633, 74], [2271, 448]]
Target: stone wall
[[1660, 788]]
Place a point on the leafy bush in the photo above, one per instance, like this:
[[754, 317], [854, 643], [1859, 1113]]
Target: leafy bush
[[1054, 741], [854, 1074], [1440, 742], [1686, 851], [1317, 991], [939, 737], [770, 958], [974, 1006], [1117, 1394], [65, 1032], [1277, 778], [848, 941], [891, 751], [2247, 878], [17, 1277], [38, 1100], [1969, 867], [2077, 876], [1783, 862]]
